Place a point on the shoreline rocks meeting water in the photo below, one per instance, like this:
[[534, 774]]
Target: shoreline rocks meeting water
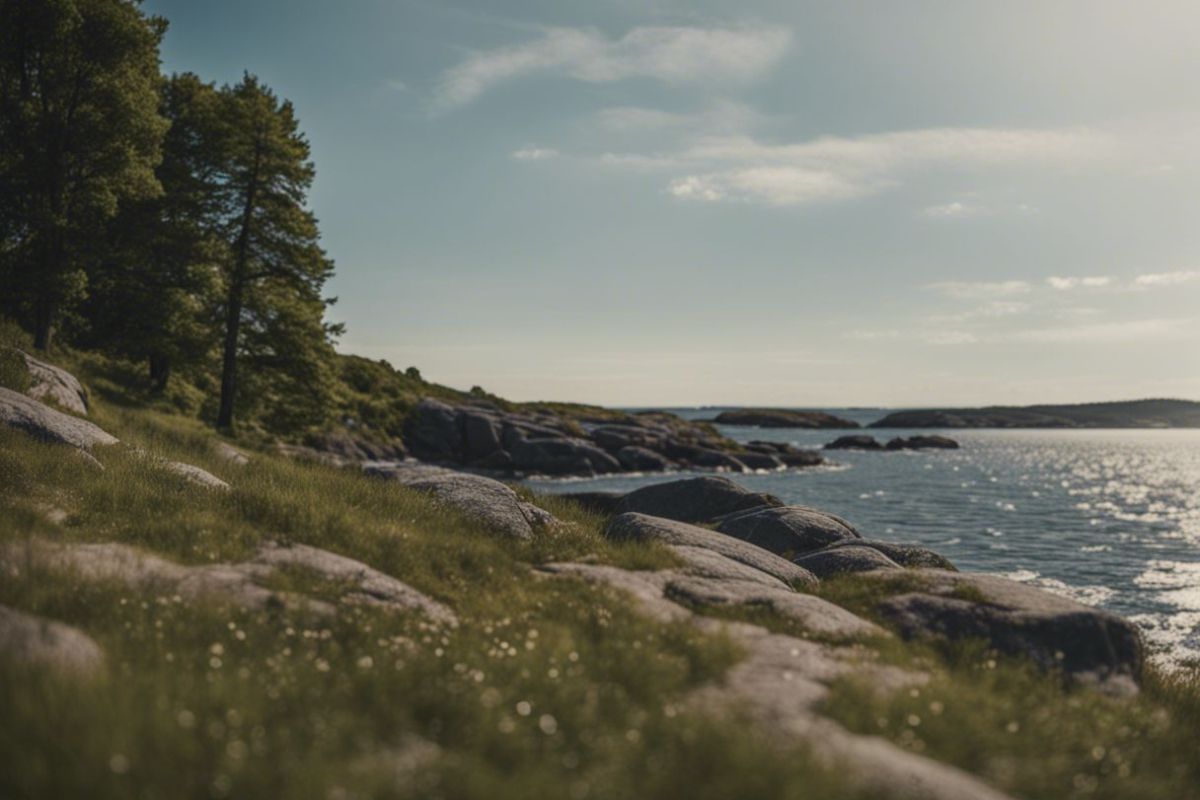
[[865, 442], [781, 418], [486, 438]]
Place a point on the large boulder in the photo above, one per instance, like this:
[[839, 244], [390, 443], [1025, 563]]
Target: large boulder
[[615, 437], [843, 560], [432, 431], [644, 528], [856, 442], [1055, 632], [640, 459], [43, 422], [702, 499], [562, 457], [906, 555], [793, 457], [54, 384], [483, 500], [43, 643], [788, 531], [922, 443], [704, 457], [481, 435]]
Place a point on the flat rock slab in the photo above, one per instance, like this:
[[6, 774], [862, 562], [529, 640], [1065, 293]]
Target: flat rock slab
[[815, 614], [787, 531], [230, 454], [781, 683], [1086, 643], [708, 563], [483, 500], [370, 585], [196, 475], [45, 423], [693, 499], [234, 584], [842, 560], [40, 642], [642, 527], [50, 383]]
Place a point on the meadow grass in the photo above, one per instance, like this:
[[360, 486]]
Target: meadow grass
[[546, 688]]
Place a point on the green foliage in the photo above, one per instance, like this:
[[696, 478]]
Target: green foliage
[[154, 295], [275, 269], [79, 133]]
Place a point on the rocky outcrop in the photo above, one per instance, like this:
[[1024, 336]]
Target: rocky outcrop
[[489, 502], [230, 454], [1084, 642], [859, 441], [787, 531], [645, 528], [45, 644], [906, 555], [782, 418], [55, 385], [702, 499], [842, 560], [244, 585], [196, 475], [864, 442], [921, 443], [485, 438], [41, 421]]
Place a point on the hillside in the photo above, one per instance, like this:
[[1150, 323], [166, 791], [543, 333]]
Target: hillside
[[189, 618], [1124, 414]]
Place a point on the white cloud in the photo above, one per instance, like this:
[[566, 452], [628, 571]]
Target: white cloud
[[671, 54], [1091, 282], [949, 338], [835, 168], [949, 210], [534, 154], [977, 289], [1167, 278], [1104, 333]]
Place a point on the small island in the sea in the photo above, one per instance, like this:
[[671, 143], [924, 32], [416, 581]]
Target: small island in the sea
[[1122, 414]]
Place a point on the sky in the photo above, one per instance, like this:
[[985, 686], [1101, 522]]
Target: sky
[[767, 202]]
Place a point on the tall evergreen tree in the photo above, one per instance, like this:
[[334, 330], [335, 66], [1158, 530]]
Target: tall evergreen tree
[[154, 295], [274, 269], [79, 133]]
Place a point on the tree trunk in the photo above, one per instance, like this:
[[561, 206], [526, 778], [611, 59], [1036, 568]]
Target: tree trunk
[[43, 324], [233, 321], [160, 373]]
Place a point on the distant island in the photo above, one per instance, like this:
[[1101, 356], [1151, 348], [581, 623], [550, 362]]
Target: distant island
[[1122, 414], [781, 418]]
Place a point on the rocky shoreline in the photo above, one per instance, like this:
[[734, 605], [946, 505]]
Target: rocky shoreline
[[488, 439]]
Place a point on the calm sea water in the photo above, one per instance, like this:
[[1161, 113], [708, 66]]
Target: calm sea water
[[1108, 517]]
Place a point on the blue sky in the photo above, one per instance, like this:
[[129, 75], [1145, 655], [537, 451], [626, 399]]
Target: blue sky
[[777, 203]]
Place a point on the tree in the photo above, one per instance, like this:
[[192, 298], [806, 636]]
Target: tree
[[79, 133], [153, 296], [274, 268]]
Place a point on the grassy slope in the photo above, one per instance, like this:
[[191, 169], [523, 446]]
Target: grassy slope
[[547, 689]]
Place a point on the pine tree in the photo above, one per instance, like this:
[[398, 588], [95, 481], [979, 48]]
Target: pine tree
[[154, 295], [274, 268], [79, 133]]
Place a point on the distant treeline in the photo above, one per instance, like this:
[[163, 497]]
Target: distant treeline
[[160, 219]]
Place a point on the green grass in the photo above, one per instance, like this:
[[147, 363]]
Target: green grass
[[1030, 734], [546, 688]]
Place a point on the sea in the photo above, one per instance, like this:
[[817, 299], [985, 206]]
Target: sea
[[1110, 518]]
